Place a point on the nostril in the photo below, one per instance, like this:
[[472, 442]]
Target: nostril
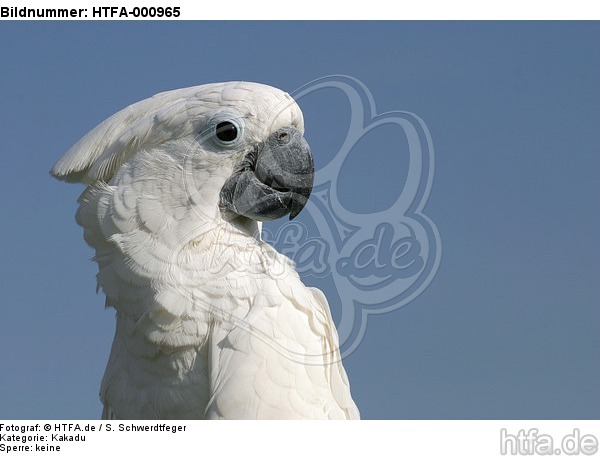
[[282, 137]]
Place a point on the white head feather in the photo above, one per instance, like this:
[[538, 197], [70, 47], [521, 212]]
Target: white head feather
[[172, 115]]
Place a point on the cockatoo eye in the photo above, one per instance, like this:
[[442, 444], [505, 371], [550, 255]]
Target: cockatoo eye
[[227, 131]]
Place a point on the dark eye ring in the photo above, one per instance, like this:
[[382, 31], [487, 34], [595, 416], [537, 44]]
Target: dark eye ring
[[226, 131]]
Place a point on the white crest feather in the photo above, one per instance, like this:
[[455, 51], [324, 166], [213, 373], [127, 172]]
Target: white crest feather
[[98, 154]]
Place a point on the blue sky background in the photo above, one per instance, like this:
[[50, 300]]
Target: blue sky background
[[509, 327]]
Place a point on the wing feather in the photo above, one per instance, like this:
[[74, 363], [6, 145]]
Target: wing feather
[[278, 364]]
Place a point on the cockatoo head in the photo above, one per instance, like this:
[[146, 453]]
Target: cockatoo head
[[240, 143]]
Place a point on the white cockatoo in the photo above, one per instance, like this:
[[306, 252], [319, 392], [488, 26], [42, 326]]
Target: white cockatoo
[[211, 322]]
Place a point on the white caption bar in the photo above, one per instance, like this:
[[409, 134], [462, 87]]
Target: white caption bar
[[308, 9], [464, 438]]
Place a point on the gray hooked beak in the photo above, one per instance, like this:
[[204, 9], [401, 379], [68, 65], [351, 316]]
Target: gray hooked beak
[[275, 179]]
